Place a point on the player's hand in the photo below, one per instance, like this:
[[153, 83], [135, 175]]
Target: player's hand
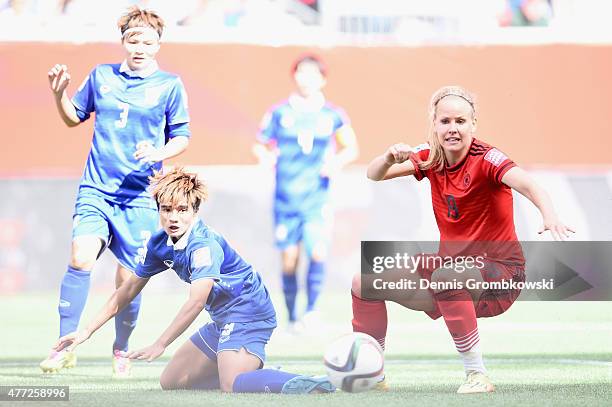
[[72, 340], [397, 153], [149, 353], [59, 78], [146, 153], [557, 229], [265, 157]]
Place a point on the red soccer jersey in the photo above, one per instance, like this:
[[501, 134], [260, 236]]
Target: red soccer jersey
[[471, 204]]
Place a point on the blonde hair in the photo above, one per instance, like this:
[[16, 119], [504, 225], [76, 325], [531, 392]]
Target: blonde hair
[[136, 17], [436, 159], [176, 185]]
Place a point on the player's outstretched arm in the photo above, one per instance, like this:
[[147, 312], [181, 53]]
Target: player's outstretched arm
[[198, 295], [517, 179], [120, 298], [147, 153], [59, 78], [393, 163]]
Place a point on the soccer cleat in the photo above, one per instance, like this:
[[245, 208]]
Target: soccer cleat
[[57, 361], [308, 384], [122, 366], [295, 328], [476, 382], [382, 384], [311, 320]]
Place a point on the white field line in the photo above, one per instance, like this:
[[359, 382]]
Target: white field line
[[453, 361]]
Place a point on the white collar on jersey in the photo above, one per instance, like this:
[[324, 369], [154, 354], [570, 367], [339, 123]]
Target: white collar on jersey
[[181, 244], [143, 73], [313, 104]]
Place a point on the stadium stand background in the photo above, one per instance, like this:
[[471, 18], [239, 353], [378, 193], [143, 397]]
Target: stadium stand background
[[543, 92]]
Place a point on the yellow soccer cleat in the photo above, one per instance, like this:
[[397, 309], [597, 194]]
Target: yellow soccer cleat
[[382, 385], [57, 361], [476, 382], [122, 366]]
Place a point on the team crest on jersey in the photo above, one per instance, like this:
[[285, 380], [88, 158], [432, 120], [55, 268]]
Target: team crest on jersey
[[495, 157], [169, 263], [152, 95], [325, 125], [287, 121], [467, 179], [104, 89]]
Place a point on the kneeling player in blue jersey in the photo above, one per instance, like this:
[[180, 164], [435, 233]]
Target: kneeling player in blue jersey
[[229, 352]]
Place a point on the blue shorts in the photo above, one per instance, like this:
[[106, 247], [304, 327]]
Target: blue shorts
[[124, 229], [213, 338], [312, 228]]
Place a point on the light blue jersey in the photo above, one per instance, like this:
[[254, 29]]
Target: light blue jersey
[[304, 138], [129, 110], [238, 294]]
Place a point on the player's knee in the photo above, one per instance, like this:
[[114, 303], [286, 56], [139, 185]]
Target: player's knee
[[227, 385], [84, 253], [168, 381], [356, 285], [82, 261], [319, 253], [290, 259]]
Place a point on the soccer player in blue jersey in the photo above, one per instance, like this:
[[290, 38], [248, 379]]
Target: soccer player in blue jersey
[[309, 140], [141, 119], [229, 352]]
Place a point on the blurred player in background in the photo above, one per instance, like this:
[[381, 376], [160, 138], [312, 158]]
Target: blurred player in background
[[309, 140], [141, 119], [471, 187], [229, 352]]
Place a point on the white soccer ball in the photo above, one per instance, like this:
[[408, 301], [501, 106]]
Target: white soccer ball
[[354, 362]]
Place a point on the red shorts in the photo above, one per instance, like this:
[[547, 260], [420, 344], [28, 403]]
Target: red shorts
[[491, 302]]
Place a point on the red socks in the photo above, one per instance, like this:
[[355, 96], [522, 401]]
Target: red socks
[[458, 310], [370, 317]]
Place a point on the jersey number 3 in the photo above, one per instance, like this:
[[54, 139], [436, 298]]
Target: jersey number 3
[[123, 116], [453, 210]]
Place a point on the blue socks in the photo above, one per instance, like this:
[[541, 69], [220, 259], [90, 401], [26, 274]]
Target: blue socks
[[290, 291], [125, 321], [262, 381], [73, 295], [314, 282]]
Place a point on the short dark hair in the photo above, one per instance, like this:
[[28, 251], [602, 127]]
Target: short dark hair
[[310, 58]]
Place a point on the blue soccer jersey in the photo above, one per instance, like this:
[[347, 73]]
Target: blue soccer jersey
[[238, 294], [304, 137], [129, 110]]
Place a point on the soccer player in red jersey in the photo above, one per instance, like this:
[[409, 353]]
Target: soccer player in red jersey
[[471, 187]]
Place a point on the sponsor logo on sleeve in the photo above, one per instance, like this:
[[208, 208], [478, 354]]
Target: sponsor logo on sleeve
[[421, 147], [202, 257], [495, 157]]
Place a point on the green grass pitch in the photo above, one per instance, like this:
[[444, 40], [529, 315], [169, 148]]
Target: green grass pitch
[[538, 354]]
